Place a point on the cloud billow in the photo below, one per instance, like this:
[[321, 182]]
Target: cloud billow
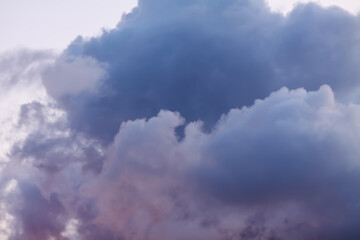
[[289, 161], [172, 126], [202, 59]]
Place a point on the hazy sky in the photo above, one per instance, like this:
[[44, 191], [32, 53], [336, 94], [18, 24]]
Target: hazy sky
[[53, 24]]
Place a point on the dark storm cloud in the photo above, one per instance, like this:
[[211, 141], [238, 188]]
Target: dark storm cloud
[[203, 58]]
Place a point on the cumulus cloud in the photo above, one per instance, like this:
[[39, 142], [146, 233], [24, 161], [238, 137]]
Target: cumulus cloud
[[36, 143], [249, 178], [202, 59], [287, 6], [153, 131], [20, 79], [264, 171], [73, 76]]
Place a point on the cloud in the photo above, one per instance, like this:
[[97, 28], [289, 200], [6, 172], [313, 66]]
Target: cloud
[[36, 144], [248, 178], [302, 138], [287, 6], [153, 131], [73, 76], [20, 78], [207, 58], [264, 171]]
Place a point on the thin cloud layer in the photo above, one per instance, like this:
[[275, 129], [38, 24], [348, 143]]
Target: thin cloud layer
[[172, 126]]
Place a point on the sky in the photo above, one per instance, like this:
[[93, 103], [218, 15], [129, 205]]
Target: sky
[[179, 120], [31, 24]]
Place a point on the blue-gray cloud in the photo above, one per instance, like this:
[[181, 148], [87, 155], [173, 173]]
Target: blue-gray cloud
[[202, 59], [285, 167], [291, 147]]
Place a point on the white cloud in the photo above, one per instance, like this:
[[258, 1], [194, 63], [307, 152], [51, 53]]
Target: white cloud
[[71, 230]]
